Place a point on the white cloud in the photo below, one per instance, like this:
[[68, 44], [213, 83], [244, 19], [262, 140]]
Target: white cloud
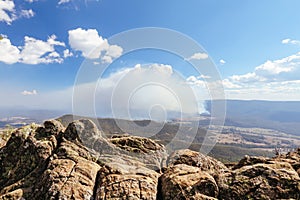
[[27, 93], [204, 76], [284, 69], [27, 13], [67, 53], [7, 10], [222, 62], [273, 80], [246, 78], [113, 51], [290, 41], [275, 67], [141, 90], [92, 45], [31, 1], [196, 81], [9, 53], [198, 56], [34, 51], [230, 85], [63, 1]]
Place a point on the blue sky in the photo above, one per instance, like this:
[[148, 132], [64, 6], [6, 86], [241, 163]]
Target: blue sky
[[257, 41]]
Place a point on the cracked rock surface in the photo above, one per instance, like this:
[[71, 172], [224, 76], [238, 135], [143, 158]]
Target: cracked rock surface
[[78, 162]]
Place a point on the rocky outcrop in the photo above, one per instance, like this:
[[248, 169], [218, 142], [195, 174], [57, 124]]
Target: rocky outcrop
[[184, 182], [23, 158], [151, 153], [126, 180], [78, 162], [196, 159]]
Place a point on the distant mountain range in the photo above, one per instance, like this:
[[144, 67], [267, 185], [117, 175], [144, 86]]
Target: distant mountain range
[[278, 115], [21, 116], [240, 135]]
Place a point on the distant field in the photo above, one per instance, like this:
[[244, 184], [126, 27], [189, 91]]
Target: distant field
[[232, 144], [251, 127], [282, 116]]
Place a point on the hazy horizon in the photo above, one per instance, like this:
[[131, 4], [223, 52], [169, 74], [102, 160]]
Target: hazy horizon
[[101, 56]]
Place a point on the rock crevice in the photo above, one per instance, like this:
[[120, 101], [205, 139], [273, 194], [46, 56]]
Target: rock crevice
[[78, 162]]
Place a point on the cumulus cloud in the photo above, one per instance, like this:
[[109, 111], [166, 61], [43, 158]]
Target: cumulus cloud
[[92, 45], [67, 53], [37, 51], [290, 41], [196, 81], [26, 93], [9, 53], [284, 69], [34, 51], [9, 12], [268, 81], [198, 56], [27, 13], [204, 76], [222, 62]]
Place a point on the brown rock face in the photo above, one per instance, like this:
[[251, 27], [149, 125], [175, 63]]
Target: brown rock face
[[196, 159], [263, 180], [70, 174], [77, 162], [123, 181], [145, 150], [23, 157], [184, 182]]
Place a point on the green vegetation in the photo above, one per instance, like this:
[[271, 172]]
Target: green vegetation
[[226, 153]]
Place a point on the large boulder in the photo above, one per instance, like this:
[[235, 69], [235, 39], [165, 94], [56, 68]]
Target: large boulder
[[147, 151], [51, 162], [187, 182], [197, 159], [70, 174], [293, 158], [23, 157], [271, 180], [126, 179]]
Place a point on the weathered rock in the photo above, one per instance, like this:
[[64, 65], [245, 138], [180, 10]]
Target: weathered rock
[[23, 157], [71, 174], [187, 182], [126, 180], [261, 181], [50, 128], [16, 194], [49, 162], [293, 158], [147, 151], [83, 130], [251, 160], [196, 159]]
